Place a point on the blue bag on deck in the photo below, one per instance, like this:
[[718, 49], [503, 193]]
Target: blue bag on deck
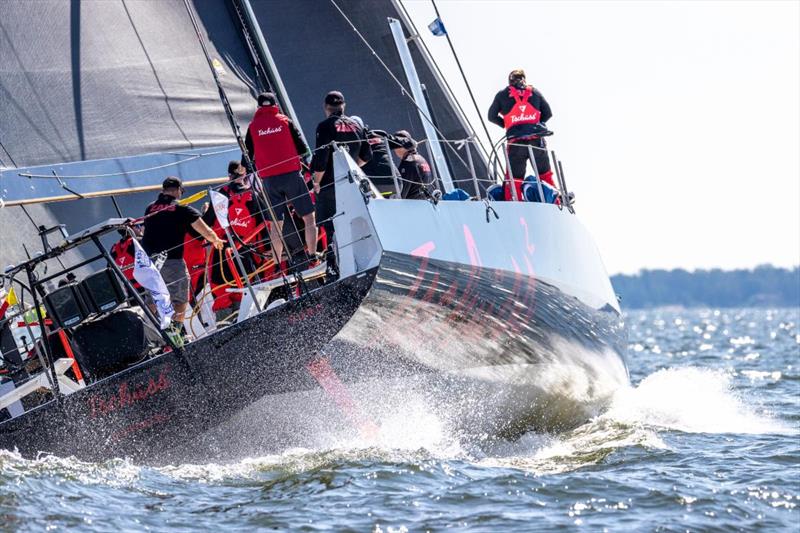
[[495, 192], [530, 191], [458, 195]]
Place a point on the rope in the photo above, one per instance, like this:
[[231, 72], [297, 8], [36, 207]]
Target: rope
[[83, 176]]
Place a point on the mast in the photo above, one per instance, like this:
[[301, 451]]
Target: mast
[[257, 185], [254, 36], [422, 105]]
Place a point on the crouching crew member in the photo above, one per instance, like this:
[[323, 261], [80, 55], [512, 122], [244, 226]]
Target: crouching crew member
[[165, 227], [277, 149], [415, 172], [379, 169], [521, 110], [248, 225], [340, 128]]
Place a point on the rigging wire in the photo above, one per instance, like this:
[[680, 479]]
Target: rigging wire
[[441, 76], [10, 158], [405, 91], [261, 72], [258, 186], [463, 75]]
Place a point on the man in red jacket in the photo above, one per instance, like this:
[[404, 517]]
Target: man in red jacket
[[277, 150], [522, 110]]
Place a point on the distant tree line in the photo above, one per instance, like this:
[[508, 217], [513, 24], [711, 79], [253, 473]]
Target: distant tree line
[[764, 286]]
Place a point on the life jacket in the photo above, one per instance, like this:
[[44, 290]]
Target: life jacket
[[523, 111], [242, 221], [124, 255], [275, 151]]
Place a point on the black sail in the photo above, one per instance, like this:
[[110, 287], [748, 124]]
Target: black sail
[[114, 82], [95, 79], [333, 56], [121, 90]]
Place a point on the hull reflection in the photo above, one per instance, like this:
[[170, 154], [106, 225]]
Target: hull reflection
[[501, 352]]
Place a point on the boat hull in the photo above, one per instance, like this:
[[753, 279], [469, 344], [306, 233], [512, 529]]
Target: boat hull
[[492, 328], [152, 409], [452, 325]]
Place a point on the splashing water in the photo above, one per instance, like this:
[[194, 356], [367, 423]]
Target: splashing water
[[690, 444], [693, 400]]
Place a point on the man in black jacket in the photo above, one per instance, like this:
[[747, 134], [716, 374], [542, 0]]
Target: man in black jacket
[[379, 169], [340, 128], [522, 111], [415, 172]]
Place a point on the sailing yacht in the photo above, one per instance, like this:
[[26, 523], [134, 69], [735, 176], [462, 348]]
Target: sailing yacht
[[500, 312]]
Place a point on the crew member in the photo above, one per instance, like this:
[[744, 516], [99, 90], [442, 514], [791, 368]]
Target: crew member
[[165, 225], [379, 169], [248, 225], [278, 150], [340, 128], [415, 172], [124, 253], [522, 111]]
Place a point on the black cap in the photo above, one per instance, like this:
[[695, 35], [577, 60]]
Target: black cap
[[267, 99], [172, 182], [403, 139], [233, 166], [334, 98], [516, 75]]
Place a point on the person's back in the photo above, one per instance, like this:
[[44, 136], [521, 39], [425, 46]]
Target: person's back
[[165, 225], [522, 108], [278, 149], [343, 130], [273, 140], [379, 169], [339, 128], [522, 111]]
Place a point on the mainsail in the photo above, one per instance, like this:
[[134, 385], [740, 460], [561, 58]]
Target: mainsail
[[101, 97]]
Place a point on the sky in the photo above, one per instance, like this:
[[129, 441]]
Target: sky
[[678, 123]]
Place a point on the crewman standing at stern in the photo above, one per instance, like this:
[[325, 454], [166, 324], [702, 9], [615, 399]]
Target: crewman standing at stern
[[522, 111], [277, 148]]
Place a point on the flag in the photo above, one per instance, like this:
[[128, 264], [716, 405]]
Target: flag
[[220, 203], [150, 278], [437, 27], [10, 299]]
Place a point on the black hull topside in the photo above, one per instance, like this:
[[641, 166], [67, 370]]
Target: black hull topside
[[488, 354], [150, 410]]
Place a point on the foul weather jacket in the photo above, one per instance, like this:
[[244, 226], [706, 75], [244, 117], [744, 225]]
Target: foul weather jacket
[[505, 102], [342, 129]]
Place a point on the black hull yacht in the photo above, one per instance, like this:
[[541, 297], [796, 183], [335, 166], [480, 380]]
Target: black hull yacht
[[498, 315], [504, 338]]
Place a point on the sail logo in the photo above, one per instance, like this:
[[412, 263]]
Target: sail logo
[[270, 131]]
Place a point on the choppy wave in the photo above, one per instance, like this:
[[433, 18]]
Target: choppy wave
[[705, 438]]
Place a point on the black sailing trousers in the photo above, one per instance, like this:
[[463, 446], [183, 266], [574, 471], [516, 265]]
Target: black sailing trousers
[[518, 156]]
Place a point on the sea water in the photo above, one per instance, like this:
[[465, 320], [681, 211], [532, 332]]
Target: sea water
[[707, 438]]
